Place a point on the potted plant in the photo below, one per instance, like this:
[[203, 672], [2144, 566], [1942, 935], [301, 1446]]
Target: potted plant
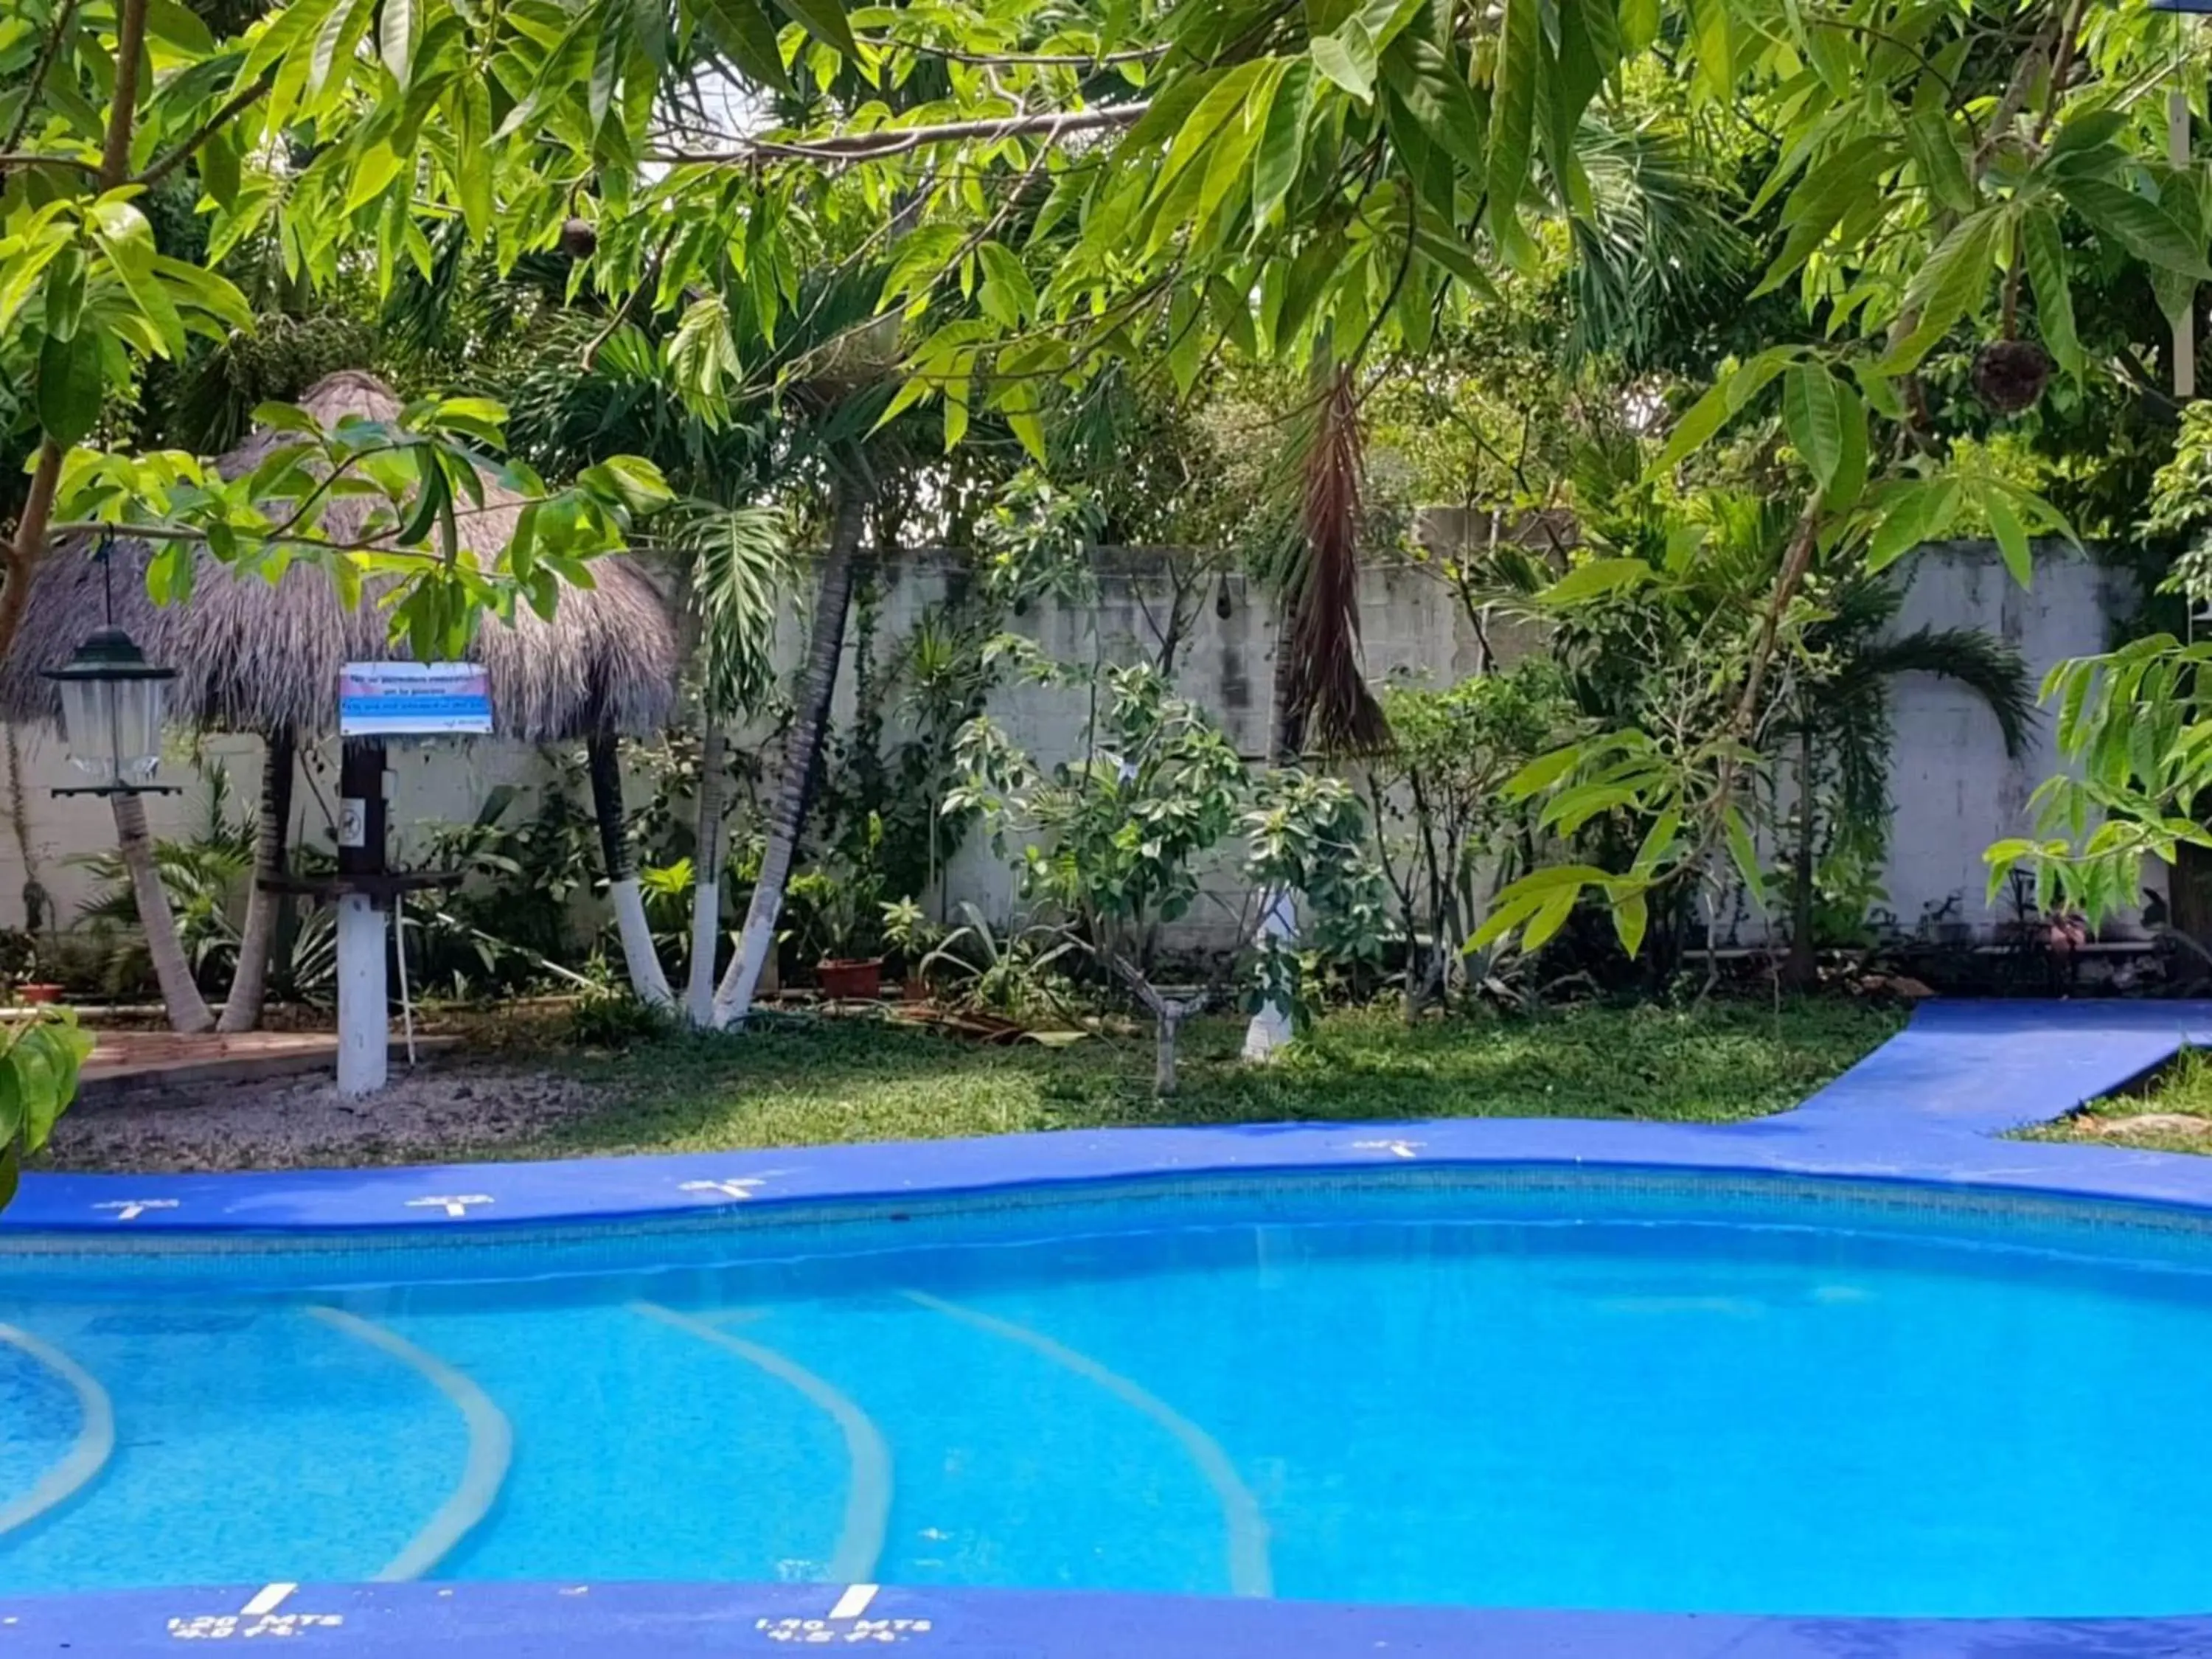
[[910, 933], [19, 967], [850, 920]]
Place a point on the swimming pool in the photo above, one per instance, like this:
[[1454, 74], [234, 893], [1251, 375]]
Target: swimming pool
[[1509, 1387]]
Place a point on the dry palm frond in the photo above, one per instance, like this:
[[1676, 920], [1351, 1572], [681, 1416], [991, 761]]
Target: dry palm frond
[[1328, 687]]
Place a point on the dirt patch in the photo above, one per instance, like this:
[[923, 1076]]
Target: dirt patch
[[437, 1113]]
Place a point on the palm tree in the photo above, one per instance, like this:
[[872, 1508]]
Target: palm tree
[[1840, 732]]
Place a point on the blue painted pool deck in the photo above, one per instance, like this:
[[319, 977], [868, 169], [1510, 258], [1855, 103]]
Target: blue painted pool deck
[[1931, 1106]]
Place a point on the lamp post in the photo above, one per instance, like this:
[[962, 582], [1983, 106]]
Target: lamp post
[[113, 705]]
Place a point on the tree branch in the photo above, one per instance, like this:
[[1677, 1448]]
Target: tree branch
[[239, 102], [23, 158], [1072, 59], [130, 49], [897, 141]]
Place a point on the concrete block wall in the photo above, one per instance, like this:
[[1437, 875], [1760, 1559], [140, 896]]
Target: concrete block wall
[[1953, 791]]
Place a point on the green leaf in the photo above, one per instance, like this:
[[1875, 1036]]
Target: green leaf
[[71, 386], [1917, 513], [1597, 578], [218, 165], [1630, 918], [1813, 412], [329, 44], [2045, 251], [745, 34], [1953, 281], [1936, 154], [395, 37], [1347, 57], [1556, 912], [2011, 535], [1850, 479], [178, 26], [1281, 149], [1541, 772], [2141, 226], [1435, 92], [1519, 70], [1745, 856], [11, 1104], [825, 20]]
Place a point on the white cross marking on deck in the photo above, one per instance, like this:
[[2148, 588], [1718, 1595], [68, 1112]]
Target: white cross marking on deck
[[129, 1209], [740, 1187], [1395, 1148], [454, 1206]]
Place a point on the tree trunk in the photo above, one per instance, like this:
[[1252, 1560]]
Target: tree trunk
[[603, 753], [802, 750], [1803, 966], [1169, 1018], [256, 939], [706, 891], [1269, 1030], [188, 1010]]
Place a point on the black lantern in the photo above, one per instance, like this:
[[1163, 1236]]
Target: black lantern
[[114, 704]]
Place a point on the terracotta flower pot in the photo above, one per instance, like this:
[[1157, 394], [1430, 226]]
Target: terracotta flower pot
[[37, 995], [851, 979]]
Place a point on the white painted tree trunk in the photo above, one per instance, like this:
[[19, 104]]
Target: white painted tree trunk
[[1269, 1030], [256, 935], [364, 1013], [802, 747], [640, 961], [187, 1008], [706, 891]]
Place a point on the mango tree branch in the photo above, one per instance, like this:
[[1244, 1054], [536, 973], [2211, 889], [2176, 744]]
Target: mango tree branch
[[130, 50], [898, 141], [239, 102]]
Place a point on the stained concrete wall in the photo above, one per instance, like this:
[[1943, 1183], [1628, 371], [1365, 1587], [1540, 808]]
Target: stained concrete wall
[[1953, 790]]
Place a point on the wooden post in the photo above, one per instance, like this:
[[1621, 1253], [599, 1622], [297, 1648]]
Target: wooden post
[[364, 1012]]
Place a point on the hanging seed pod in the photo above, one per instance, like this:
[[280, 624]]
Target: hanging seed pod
[[580, 240], [2010, 374]]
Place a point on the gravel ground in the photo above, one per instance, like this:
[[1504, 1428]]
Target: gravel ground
[[438, 1113]]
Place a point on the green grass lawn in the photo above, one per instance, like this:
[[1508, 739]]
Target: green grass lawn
[[2170, 1112], [846, 1080]]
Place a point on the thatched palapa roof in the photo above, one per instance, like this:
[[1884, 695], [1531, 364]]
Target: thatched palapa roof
[[252, 655]]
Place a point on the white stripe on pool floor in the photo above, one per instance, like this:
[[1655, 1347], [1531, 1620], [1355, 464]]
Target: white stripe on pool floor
[[868, 1496], [491, 1447], [87, 1456], [1249, 1573]]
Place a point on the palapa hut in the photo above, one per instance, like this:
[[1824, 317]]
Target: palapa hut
[[254, 656]]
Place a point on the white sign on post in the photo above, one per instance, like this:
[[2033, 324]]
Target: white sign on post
[[414, 700]]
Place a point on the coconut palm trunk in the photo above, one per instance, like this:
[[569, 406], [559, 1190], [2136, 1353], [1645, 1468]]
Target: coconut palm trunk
[[241, 1010], [603, 755], [187, 1008], [707, 892], [802, 750]]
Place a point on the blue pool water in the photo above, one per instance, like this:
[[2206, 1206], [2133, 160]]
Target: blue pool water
[[1585, 1393]]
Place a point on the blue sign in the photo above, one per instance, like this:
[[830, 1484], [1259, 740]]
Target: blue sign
[[414, 700]]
